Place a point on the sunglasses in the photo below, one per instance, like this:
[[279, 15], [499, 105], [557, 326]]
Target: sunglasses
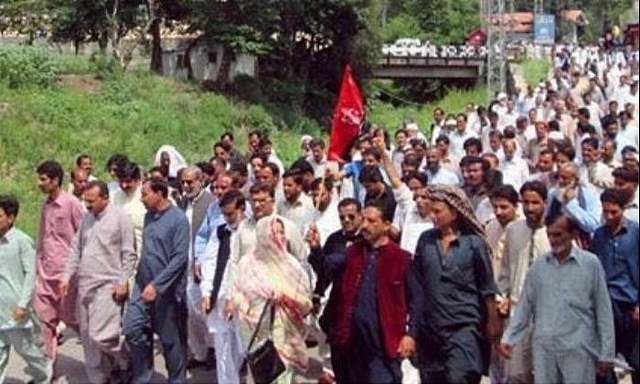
[[350, 217]]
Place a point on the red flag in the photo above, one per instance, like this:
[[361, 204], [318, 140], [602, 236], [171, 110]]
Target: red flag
[[348, 118]]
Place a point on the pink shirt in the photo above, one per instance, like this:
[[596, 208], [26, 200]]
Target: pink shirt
[[59, 220]]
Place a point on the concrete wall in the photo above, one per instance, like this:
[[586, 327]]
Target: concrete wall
[[206, 57]]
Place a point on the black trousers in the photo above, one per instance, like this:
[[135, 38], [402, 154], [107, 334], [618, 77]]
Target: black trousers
[[457, 355], [626, 330]]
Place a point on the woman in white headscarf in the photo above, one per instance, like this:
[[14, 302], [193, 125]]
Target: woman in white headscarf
[[168, 156], [270, 273]]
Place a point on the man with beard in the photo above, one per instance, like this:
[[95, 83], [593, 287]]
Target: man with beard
[[525, 240], [592, 169], [436, 173], [474, 170], [127, 197], [195, 202], [577, 200]]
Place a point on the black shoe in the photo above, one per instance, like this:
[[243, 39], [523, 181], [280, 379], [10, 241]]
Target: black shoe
[[121, 376], [193, 364]]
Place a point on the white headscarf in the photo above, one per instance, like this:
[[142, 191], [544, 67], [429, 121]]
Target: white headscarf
[[177, 162]]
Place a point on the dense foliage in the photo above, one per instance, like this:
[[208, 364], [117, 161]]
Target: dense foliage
[[27, 66]]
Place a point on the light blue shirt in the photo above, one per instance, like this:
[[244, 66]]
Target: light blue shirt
[[17, 276], [569, 305], [585, 209]]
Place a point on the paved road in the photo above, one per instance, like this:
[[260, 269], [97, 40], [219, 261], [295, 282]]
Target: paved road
[[70, 365]]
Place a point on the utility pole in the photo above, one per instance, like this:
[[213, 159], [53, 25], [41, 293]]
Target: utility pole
[[538, 7], [494, 22]]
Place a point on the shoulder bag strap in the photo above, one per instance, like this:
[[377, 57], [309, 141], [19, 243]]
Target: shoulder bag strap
[[262, 315]]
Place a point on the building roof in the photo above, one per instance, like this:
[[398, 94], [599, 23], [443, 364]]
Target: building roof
[[574, 16], [522, 22]]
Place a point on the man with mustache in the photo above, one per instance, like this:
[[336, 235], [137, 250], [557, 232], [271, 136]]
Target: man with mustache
[[525, 241]]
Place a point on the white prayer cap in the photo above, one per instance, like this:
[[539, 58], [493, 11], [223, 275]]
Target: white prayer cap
[[502, 96], [412, 127]]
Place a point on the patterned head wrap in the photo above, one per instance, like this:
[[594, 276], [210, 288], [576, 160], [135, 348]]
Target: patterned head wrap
[[458, 200]]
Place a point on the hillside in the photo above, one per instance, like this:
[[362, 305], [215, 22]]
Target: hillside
[[135, 113]]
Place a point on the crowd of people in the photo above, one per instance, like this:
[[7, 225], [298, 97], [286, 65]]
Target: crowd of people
[[500, 241]]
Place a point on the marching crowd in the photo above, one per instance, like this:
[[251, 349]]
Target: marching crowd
[[504, 244]]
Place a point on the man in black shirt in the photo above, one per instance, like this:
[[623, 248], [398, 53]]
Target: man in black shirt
[[373, 182], [328, 264]]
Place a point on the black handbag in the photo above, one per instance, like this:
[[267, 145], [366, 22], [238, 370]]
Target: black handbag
[[264, 362]]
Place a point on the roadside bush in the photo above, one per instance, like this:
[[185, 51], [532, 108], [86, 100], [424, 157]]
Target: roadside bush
[[247, 89], [105, 66], [25, 66]]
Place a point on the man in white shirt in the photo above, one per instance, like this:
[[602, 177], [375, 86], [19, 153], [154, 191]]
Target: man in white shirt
[[327, 219], [515, 170], [318, 159], [296, 206], [628, 131], [510, 115], [436, 173], [447, 160], [504, 200], [459, 136], [437, 128], [594, 171], [525, 240], [215, 288], [128, 197]]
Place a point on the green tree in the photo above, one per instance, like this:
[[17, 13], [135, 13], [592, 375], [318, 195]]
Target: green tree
[[23, 16]]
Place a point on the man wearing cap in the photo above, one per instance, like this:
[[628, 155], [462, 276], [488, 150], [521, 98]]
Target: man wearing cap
[[414, 132], [501, 107]]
